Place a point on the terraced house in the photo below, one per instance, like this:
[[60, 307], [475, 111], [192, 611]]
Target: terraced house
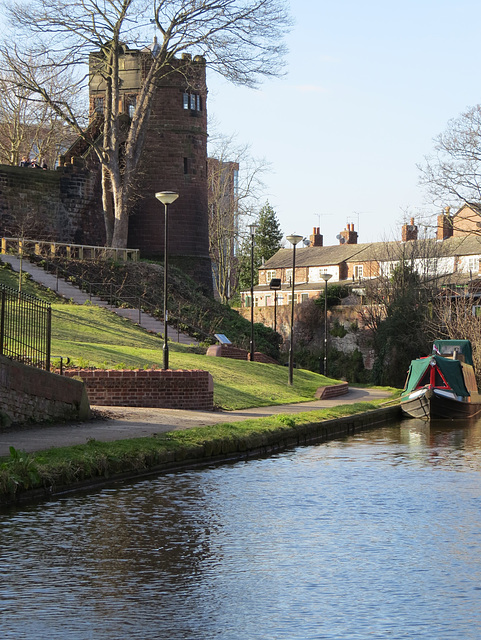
[[452, 257]]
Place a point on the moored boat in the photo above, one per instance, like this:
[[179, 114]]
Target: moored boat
[[443, 385]]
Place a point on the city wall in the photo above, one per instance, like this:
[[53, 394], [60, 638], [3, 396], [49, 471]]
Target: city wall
[[62, 205]]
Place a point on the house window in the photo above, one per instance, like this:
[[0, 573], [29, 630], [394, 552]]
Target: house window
[[473, 264], [270, 275], [186, 101], [304, 297], [358, 271], [288, 276]]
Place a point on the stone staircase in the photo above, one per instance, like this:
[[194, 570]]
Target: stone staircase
[[69, 291]]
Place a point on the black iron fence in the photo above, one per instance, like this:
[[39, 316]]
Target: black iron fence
[[25, 328]]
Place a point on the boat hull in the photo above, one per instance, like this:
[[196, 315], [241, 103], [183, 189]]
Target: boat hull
[[430, 405]]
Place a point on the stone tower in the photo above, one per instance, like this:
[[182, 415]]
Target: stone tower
[[174, 158]]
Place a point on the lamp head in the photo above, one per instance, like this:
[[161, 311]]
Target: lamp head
[[294, 239], [326, 276], [253, 229], [167, 197]]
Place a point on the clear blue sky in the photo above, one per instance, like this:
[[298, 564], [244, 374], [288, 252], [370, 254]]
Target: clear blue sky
[[369, 85]]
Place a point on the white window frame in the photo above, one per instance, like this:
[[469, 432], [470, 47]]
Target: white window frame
[[270, 275]]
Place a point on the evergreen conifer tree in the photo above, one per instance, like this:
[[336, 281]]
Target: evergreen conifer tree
[[267, 241]]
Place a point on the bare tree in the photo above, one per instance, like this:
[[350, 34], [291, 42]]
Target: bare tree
[[235, 182], [455, 317], [452, 174], [397, 305], [241, 39], [28, 126]]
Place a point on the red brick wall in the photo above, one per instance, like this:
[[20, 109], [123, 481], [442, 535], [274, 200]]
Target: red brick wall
[[228, 351], [148, 388]]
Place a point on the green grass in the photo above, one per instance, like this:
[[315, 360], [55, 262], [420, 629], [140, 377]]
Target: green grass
[[10, 278], [94, 337]]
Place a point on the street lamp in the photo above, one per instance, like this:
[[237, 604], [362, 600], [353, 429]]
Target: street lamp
[[275, 285], [252, 231], [293, 239], [166, 197], [326, 277]]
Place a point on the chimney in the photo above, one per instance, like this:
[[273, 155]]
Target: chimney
[[348, 236], [316, 238], [409, 231], [445, 225]]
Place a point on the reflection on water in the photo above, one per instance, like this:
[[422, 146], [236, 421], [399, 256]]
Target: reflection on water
[[373, 536]]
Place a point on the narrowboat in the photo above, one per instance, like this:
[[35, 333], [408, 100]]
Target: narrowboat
[[442, 385]]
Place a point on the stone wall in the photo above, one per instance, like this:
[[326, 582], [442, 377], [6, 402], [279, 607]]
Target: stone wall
[[309, 326], [30, 395], [62, 205], [149, 388]]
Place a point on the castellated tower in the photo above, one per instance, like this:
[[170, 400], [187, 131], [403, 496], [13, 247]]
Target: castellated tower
[[174, 158]]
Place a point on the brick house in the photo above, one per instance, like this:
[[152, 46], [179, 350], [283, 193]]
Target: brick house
[[453, 255]]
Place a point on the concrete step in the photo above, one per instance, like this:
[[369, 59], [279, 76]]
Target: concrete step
[[69, 291]]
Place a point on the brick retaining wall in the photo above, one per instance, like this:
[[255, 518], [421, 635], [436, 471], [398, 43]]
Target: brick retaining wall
[[332, 391], [169, 389], [31, 395], [229, 351]]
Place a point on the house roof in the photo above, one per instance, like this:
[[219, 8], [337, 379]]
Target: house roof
[[376, 251], [314, 256]]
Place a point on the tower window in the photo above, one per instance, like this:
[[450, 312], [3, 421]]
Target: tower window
[[99, 105], [192, 101]]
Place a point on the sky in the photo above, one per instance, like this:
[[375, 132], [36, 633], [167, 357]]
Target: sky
[[369, 86]]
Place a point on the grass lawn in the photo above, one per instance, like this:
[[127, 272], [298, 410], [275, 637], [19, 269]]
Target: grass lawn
[[94, 337]]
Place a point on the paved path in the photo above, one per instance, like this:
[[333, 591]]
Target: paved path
[[70, 292], [128, 422]]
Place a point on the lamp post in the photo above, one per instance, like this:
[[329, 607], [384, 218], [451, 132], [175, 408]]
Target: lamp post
[[166, 197], [326, 277], [252, 231], [294, 240], [275, 285]]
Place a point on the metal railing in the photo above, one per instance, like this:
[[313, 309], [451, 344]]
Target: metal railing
[[25, 328], [21, 246]]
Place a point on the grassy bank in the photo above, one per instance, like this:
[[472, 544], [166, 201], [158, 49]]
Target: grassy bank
[[94, 337], [71, 467]]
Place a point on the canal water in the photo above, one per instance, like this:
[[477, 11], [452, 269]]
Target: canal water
[[376, 536]]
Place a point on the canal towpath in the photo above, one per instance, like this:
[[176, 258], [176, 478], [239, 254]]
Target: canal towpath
[[121, 423]]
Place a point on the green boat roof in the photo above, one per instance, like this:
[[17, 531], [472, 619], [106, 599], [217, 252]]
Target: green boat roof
[[451, 370], [446, 348]]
